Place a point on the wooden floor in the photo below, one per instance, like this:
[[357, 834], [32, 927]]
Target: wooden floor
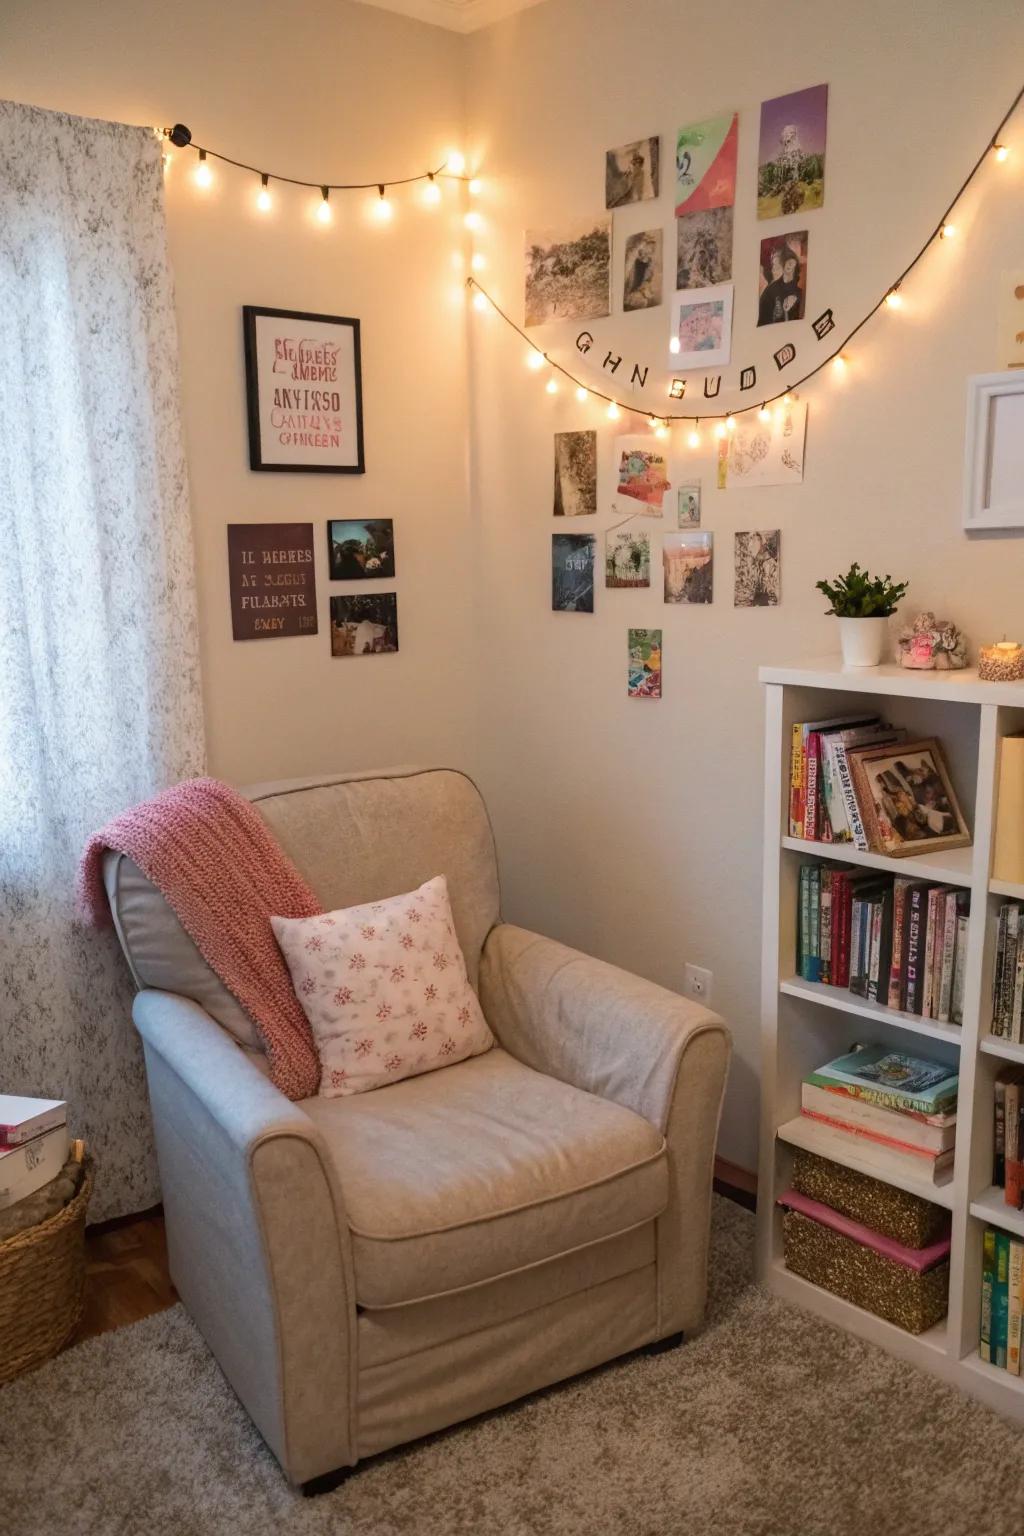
[[126, 1276]]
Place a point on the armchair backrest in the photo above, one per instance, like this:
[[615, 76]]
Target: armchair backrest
[[356, 838]]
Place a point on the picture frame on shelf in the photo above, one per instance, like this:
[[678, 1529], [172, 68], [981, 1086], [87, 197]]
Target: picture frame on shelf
[[907, 799], [304, 391], [994, 451]]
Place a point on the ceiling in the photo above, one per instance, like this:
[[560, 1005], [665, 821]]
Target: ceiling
[[456, 15]]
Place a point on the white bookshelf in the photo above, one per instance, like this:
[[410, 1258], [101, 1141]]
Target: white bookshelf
[[804, 1023]]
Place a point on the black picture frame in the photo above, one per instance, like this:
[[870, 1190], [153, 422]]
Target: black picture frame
[[251, 313]]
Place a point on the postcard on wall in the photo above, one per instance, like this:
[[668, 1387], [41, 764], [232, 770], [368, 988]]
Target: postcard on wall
[[364, 626], [271, 579], [758, 569], [783, 278], [361, 550], [569, 271], [572, 572], [688, 503], [1011, 320], [304, 389], [791, 156], [706, 164], [642, 271], [688, 560], [631, 173], [641, 476], [765, 453], [627, 558], [704, 248], [701, 327], [575, 474], [644, 664]]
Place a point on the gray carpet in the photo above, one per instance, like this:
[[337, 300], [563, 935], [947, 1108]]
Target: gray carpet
[[768, 1424]]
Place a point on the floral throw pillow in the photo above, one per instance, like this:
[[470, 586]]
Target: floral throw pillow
[[384, 988]]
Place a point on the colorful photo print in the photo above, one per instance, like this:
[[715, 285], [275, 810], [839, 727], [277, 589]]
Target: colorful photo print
[[791, 157], [364, 626], [688, 559], [758, 568], [644, 672], [642, 274], [641, 475], [706, 164], [765, 453], [569, 272], [704, 248], [701, 327], [572, 572], [783, 279], [631, 173], [575, 474], [688, 502], [627, 558], [361, 550]]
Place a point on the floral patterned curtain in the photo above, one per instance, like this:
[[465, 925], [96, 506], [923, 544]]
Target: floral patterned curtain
[[100, 701]]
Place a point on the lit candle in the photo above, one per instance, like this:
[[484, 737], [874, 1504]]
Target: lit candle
[[1002, 662]]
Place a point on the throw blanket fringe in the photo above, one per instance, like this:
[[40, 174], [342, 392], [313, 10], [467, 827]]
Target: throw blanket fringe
[[211, 855]]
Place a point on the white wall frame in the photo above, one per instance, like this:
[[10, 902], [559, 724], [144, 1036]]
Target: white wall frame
[[803, 1025], [994, 451]]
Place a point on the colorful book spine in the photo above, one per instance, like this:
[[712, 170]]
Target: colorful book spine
[[997, 972], [1001, 1300], [935, 897], [858, 836], [840, 959], [875, 952], [916, 922], [1014, 1171], [803, 950], [956, 1011], [988, 1275], [796, 762], [899, 895], [1015, 1308], [1017, 1011], [999, 1133], [810, 829], [814, 925], [1009, 972], [825, 927]]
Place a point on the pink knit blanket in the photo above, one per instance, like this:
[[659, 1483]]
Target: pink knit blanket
[[212, 856]]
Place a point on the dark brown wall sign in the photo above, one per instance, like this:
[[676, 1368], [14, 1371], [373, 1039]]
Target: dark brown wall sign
[[272, 579]]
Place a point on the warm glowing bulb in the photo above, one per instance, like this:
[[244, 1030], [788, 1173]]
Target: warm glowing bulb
[[473, 220], [894, 299], [720, 430], [552, 386], [582, 394], [693, 438], [764, 414], [661, 430], [323, 213], [478, 262], [730, 423], [203, 173], [456, 162], [652, 423], [674, 344], [475, 186], [535, 360], [947, 231], [382, 209], [431, 192], [839, 363], [787, 399], [264, 201], [1002, 150], [479, 302], [613, 412]]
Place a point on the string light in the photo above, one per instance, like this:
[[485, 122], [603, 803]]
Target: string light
[[323, 212], [839, 363], [730, 423], [382, 208], [652, 423], [582, 394], [479, 302], [552, 386], [478, 262], [661, 430], [203, 174], [456, 162], [674, 345], [693, 437], [1001, 151], [264, 201], [535, 359], [474, 186], [764, 414], [473, 220], [787, 399], [431, 192], [947, 231], [894, 299], [720, 429], [613, 413]]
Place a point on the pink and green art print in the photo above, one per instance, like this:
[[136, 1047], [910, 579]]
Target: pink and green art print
[[706, 164]]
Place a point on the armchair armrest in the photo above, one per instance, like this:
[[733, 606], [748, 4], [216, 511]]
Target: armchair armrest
[[625, 1039], [258, 1244]]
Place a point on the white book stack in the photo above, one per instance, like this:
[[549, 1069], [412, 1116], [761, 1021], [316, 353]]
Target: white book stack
[[33, 1145]]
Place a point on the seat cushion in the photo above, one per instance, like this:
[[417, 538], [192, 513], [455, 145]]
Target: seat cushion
[[455, 1178]]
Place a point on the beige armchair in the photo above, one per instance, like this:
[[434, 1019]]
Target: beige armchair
[[369, 1269]]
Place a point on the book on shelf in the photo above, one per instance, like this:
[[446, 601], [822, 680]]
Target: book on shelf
[[21, 1119], [881, 1161], [1008, 974], [893, 1079], [1002, 1300], [1008, 1135], [30, 1164], [1008, 847], [988, 1275], [929, 1133], [807, 807]]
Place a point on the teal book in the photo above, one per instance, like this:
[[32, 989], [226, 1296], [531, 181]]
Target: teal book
[[814, 927], [988, 1275], [892, 1079], [1001, 1300]]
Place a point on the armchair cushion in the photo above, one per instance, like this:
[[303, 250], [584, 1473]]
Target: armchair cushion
[[458, 1177]]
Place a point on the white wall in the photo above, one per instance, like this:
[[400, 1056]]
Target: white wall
[[628, 827], [323, 89]]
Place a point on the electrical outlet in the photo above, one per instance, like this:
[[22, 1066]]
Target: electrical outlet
[[697, 984]]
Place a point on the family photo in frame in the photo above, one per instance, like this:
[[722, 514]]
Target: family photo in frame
[[907, 799]]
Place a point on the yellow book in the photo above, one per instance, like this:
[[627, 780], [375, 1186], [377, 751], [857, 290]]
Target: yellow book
[[1008, 859]]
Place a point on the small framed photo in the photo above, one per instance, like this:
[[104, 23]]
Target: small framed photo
[[994, 451], [907, 799], [304, 388], [361, 549], [688, 504], [364, 626], [701, 334]]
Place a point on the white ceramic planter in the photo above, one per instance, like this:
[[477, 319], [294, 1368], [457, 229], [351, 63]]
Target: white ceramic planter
[[862, 641]]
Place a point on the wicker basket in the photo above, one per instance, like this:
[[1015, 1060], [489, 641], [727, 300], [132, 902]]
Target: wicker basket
[[42, 1278]]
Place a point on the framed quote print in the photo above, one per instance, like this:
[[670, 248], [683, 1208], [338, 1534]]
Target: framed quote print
[[304, 388]]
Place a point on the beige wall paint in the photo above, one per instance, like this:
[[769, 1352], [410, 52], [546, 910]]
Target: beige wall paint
[[633, 828], [322, 89]]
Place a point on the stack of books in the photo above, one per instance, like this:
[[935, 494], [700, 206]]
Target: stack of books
[[896, 1112], [1008, 1135], [823, 804], [1002, 1299], [895, 941], [1008, 974], [33, 1145]]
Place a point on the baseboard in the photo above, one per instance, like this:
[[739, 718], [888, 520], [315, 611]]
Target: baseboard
[[735, 1183]]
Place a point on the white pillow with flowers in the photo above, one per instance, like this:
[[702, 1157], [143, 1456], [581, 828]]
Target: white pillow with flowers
[[384, 988]]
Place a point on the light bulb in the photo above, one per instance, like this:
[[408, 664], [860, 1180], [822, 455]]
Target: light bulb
[[431, 192], [552, 386], [479, 302], [456, 162], [693, 438], [382, 209], [947, 231], [535, 359], [652, 423], [323, 213], [661, 430], [674, 344], [203, 173], [264, 201], [894, 299], [720, 429], [730, 423], [475, 186], [787, 399], [1001, 151], [764, 414], [613, 412], [839, 363], [473, 220], [582, 394], [478, 262]]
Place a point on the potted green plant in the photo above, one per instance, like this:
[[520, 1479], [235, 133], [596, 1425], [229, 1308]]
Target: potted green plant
[[862, 603]]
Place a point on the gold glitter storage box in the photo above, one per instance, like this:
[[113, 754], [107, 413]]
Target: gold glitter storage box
[[907, 1219], [906, 1286]]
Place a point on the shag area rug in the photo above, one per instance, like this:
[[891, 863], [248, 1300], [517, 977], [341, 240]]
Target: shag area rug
[[767, 1424]]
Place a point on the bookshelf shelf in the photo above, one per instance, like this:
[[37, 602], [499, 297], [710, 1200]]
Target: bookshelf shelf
[[951, 868], [848, 1002], [798, 1017]]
